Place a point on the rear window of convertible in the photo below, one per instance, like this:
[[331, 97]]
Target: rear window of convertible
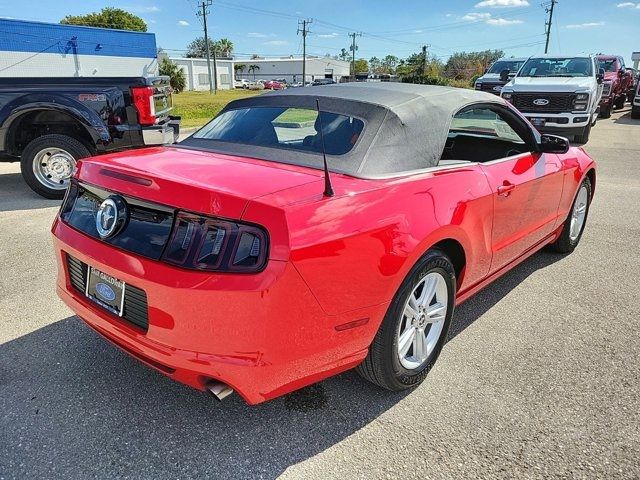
[[286, 128]]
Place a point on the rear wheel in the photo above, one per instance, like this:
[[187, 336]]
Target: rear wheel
[[605, 112], [584, 137], [577, 219], [48, 163], [415, 326], [620, 102]]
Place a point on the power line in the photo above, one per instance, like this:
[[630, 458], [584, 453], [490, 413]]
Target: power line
[[549, 10], [304, 31], [213, 83], [353, 49]]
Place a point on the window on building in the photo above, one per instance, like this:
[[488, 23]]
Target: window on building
[[203, 79], [224, 78]]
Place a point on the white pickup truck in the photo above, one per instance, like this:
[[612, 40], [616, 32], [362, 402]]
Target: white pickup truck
[[558, 94]]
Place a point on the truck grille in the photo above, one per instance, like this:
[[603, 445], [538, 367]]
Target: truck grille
[[135, 299], [489, 87], [558, 102]]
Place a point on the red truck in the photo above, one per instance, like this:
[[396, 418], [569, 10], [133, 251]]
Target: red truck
[[617, 81]]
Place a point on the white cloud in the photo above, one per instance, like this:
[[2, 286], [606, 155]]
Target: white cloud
[[260, 35], [276, 42], [474, 17], [502, 3], [489, 19], [628, 5], [183, 23], [417, 31], [448, 15], [328, 35], [140, 9], [585, 25], [503, 21]]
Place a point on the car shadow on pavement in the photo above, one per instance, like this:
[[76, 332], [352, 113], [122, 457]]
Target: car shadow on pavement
[[74, 406], [16, 195], [627, 120]]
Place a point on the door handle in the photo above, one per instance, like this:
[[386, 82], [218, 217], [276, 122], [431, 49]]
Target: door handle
[[505, 189]]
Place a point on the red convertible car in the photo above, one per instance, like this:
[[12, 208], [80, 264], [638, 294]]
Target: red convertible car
[[260, 256]]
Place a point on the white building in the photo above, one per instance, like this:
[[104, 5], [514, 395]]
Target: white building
[[197, 74], [290, 69]]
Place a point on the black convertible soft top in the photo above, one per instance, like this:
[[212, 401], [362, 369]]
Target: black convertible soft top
[[406, 125]]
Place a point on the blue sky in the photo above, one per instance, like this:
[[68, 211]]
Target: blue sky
[[398, 28]]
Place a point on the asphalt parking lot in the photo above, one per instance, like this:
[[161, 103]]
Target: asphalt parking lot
[[540, 377]]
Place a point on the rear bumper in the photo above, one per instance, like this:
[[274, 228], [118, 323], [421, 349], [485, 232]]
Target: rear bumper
[[264, 335], [165, 134]]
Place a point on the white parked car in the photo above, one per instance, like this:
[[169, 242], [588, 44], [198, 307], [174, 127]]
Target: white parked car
[[243, 83], [558, 94]]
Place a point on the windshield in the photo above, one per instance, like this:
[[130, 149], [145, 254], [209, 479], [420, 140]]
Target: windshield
[[285, 128], [608, 64], [557, 67], [511, 65]]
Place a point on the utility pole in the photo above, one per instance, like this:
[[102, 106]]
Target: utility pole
[[549, 10], [213, 84], [353, 49], [304, 31]]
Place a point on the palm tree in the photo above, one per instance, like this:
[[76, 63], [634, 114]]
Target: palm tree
[[253, 68], [224, 47], [238, 68]]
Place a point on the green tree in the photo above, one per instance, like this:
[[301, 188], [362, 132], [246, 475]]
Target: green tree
[[108, 17], [344, 54], [198, 48], [176, 74], [238, 68], [464, 65], [253, 69], [389, 64], [375, 64], [361, 66]]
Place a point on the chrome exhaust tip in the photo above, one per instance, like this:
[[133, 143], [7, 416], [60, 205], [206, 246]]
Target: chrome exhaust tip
[[219, 390]]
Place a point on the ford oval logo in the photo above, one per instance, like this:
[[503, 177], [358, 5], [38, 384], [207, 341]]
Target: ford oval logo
[[105, 291], [497, 88], [541, 102]]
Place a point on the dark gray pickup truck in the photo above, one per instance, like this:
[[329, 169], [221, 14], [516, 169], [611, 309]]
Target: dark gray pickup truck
[[49, 123]]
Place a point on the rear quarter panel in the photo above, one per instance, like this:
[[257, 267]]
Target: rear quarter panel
[[355, 249]]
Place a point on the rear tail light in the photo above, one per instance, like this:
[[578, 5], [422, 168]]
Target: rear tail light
[[211, 244], [143, 101]]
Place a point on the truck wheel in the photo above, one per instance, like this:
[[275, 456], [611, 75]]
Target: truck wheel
[[635, 112], [48, 163], [620, 102], [584, 137], [605, 112]]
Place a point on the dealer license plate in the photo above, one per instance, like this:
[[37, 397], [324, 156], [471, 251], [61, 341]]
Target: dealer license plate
[[105, 290]]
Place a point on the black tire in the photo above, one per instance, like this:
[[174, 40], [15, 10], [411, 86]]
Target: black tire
[[620, 102], [64, 142], [584, 137], [564, 244], [635, 112], [382, 366], [605, 112]]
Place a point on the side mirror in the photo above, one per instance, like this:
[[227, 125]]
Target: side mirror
[[600, 76], [553, 144], [504, 75]]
